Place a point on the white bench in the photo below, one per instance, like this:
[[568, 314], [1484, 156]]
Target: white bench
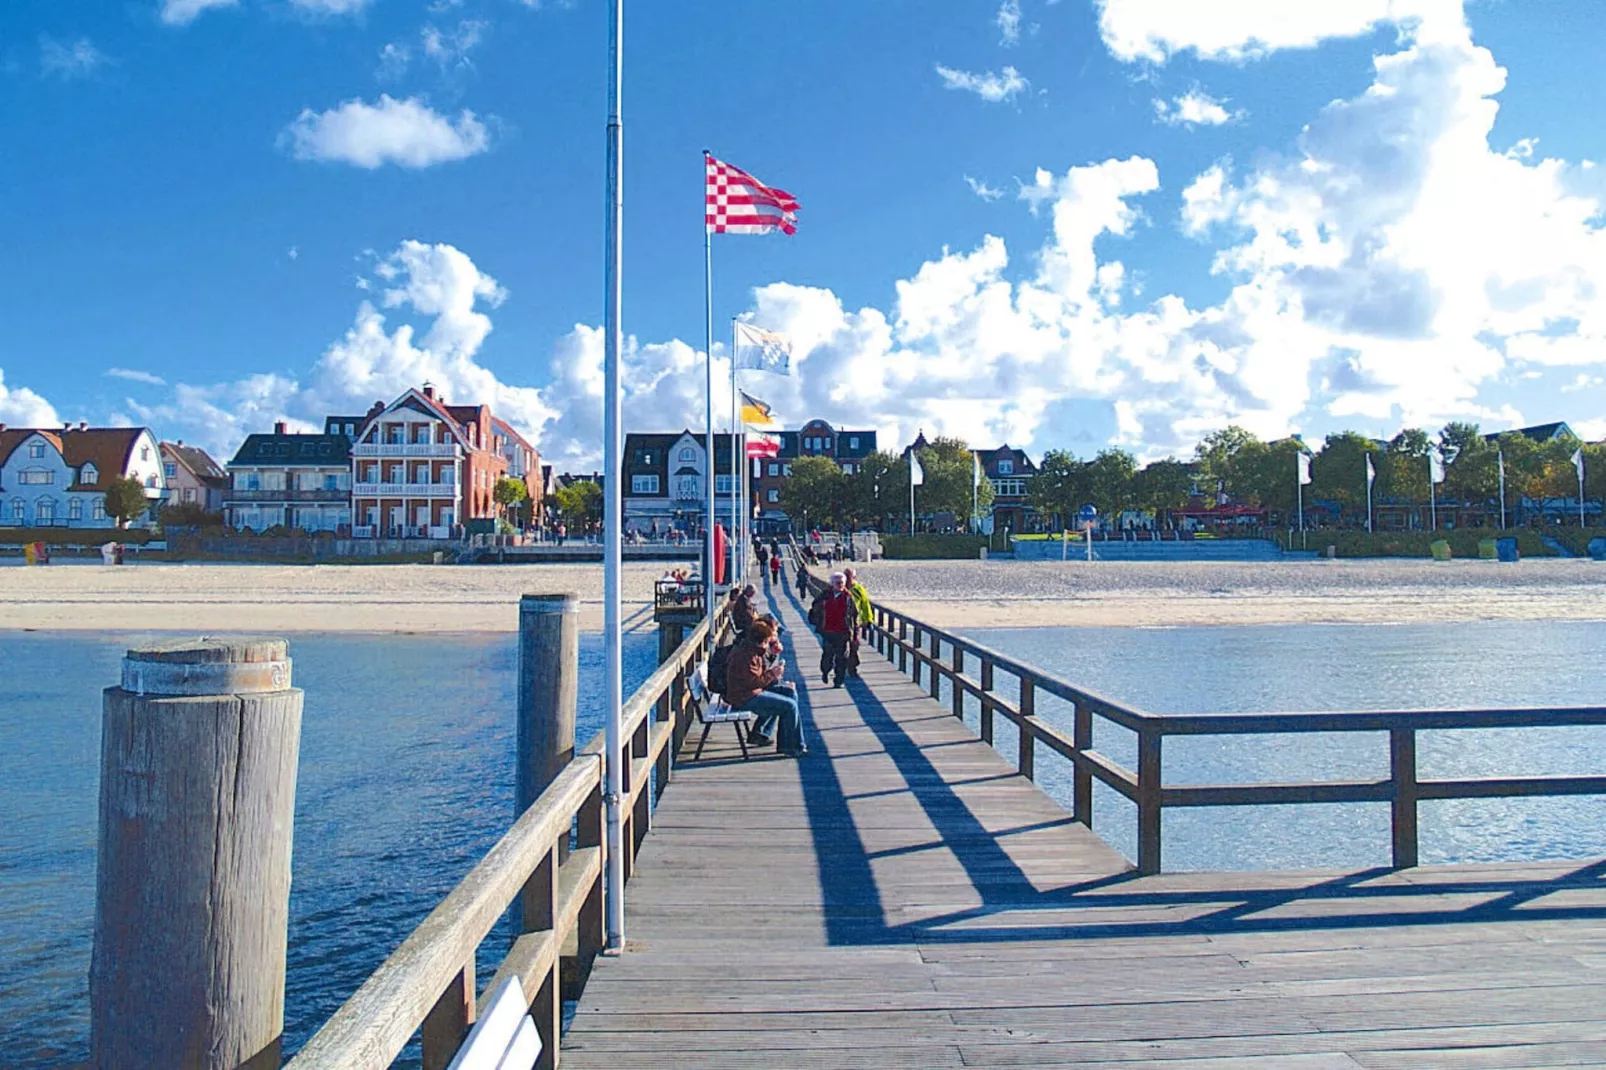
[[504, 1038], [713, 710]]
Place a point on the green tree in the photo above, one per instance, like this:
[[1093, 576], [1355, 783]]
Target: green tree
[[509, 494], [813, 496], [1223, 457], [877, 490], [579, 503], [1059, 488], [1402, 475], [1268, 473], [1110, 481], [949, 468], [1162, 486], [1472, 470], [1338, 472], [125, 500]]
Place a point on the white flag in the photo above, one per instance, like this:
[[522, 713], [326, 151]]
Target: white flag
[[977, 475], [1371, 473], [917, 475], [1578, 462], [1304, 469], [1435, 467], [762, 351]]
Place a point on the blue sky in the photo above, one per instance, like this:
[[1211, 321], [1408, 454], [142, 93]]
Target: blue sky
[[221, 213]]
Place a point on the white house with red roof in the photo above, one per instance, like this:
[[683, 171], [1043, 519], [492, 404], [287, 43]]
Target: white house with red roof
[[51, 478]]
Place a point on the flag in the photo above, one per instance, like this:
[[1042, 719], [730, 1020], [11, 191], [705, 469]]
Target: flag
[[760, 444], [1371, 473], [762, 351], [1435, 467], [917, 475], [738, 203], [977, 475], [1304, 469], [756, 413], [1578, 462]]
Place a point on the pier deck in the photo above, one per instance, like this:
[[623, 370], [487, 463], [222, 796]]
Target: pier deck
[[904, 898]]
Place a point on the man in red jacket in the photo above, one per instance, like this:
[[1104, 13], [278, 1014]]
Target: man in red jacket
[[838, 615]]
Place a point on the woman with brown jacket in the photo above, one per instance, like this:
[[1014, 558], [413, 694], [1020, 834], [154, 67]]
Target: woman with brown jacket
[[753, 683]]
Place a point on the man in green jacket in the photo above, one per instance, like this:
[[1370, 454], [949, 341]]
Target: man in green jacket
[[861, 603]]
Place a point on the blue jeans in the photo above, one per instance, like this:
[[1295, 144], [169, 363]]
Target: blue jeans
[[778, 710]]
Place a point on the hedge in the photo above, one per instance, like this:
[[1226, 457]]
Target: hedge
[[75, 536], [932, 547], [1463, 542]]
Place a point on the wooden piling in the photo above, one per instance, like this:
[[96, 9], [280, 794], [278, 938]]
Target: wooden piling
[[192, 884], [549, 668]]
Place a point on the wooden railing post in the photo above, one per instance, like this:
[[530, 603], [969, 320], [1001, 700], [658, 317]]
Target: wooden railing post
[[915, 656], [1028, 735], [448, 1021], [198, 755], [958, 688], [540, 901], [985, 718], [1402, 770], [1149, 801], [590, 934], [1082, 789], [903, 649], [549, 684], [936, 660]]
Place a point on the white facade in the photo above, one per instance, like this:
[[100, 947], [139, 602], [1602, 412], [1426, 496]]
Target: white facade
[[59, 478]]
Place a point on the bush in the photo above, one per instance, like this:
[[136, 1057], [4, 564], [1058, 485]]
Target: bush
[[75, 536], [932, 547], [1463, 542]]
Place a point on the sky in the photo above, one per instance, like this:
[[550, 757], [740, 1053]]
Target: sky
[[1052, 223]]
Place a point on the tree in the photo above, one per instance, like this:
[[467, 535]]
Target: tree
[[1060, 486], [579, 503], [1110, 479], [1163, 486], [813, 496], [1403, 474], [877, 490], [509, 493], [1338, 472], [189, 515], [950, 467], [1222, 456], [1472, 472], [125, 500], [1267, 475]]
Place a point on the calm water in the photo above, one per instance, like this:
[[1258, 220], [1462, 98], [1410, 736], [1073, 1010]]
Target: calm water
[[406, 778], [407, 758]]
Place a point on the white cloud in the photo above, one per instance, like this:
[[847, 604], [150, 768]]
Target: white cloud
[[981, 189], [21, 407], [450, 49], [989, 86], [136, 376], [404, 132], [1155, 30], [330, 7], [394, 59], [1008, 20], [1195, 108], [79, 59], [182, 12]]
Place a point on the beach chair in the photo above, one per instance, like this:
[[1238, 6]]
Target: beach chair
[[713, 710]]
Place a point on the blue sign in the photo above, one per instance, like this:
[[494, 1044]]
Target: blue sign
[[1087, 513]]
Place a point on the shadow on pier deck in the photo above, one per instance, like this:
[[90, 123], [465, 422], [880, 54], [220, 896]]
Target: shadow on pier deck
[[904, 898]]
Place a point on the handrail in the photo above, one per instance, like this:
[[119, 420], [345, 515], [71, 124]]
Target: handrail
[[917, 649], [427, 983]]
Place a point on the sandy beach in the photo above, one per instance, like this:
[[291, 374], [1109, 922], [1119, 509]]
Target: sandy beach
[[947, 594]]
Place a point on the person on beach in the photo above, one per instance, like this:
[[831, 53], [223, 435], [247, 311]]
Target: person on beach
[[862, 618], [753, 682], [837, 615]]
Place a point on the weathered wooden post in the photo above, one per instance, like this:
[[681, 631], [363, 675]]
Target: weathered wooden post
[[192, 883], [549, 668]]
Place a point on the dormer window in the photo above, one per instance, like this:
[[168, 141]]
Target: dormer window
[[88, 474], [687, 455], [1006, 467], [36, 450]]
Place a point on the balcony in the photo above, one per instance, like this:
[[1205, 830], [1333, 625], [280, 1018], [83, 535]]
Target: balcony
[[287, 494], [405, 490], [408, 449]]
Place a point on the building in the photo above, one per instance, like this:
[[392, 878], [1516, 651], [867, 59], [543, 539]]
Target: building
[[424, 469], [663, 479], [1540, 433], [193, 477], [814, 439], [523, 464], [1009, 471], [52, 478], [294, 481]]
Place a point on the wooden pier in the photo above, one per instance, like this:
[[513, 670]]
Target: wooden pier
[[904, 897]]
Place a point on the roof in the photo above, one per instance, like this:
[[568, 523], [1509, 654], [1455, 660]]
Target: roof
[[502, 425], [197, 460], [12, 437], [107, 448], [1538, 432], [292, 450]]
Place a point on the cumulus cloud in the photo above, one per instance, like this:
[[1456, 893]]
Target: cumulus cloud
[[1155, 30], [182, 12], [21, 407], [134, 375], [79, 59], [1195, 108], [989, 86], [1008, 21], [408, 133]]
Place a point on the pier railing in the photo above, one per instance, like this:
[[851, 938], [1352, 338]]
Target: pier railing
[[931, 655], [551, 862]]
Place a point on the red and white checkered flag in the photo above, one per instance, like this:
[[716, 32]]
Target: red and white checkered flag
[[738, 203]]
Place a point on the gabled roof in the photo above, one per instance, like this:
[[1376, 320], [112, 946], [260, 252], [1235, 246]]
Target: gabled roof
[[198, 461], [109, 449], [323, 451], [12, 437], [1538, 432], [507, 428]]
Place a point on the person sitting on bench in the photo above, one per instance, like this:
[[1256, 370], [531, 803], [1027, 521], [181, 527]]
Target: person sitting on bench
[[753, 682]]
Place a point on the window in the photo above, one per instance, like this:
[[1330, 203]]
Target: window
[[853, 442], [1006, 467], [848, 469], [827, 444], [644, 484], [421, 434], [1009, 487], [88, 474], [775, 469], [36, 476], [687, 455], [170, 470], [45, 510], [18, 511], [646, 457], [773, 497], [75, 509], [144, 453], [98, 510], [786, 469], [722, 484], [150, 480], [331, 482], [36, 450], [189, 494], [349, 430]]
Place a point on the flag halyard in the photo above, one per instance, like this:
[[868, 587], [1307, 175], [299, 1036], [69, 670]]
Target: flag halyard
[[738, 203]]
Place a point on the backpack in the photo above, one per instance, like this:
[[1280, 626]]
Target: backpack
[[817, 612], [718, 664]]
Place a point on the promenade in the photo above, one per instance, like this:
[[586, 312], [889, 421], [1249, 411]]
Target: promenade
[[904, 898]]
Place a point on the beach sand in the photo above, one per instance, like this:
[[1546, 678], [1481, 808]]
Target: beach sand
[[947, 594]]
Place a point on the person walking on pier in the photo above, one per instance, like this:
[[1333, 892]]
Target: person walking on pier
[[762, 552], [775, 569], [837, 616], [753, 682], [862, 618]]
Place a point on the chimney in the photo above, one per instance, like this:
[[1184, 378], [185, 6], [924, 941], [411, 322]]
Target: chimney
[[429, 391], [181, 442], [83, 425], [379, 407], [278, 427]]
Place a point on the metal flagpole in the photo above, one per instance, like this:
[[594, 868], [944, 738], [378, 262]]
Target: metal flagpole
[[1433, 498], [737, 560], [1580, 456], [1368, 495], [1500, 459], [708, 417], [612, 514]]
